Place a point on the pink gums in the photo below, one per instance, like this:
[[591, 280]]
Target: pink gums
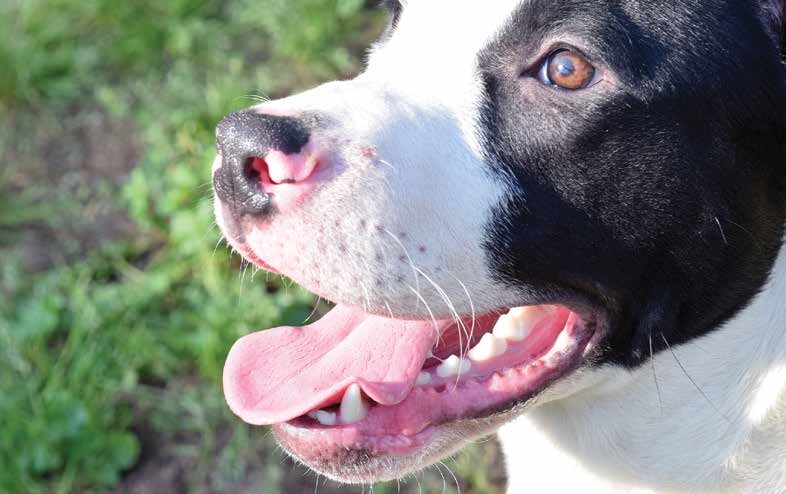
[[404, 428]]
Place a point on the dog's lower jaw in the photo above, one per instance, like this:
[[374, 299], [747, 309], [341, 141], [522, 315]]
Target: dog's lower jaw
[[374, 452], [708, 416], [361, 467]]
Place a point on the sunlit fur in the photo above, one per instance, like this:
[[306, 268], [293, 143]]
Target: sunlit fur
[[399, 231]]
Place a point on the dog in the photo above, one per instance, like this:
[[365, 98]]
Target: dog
[[559, 221]]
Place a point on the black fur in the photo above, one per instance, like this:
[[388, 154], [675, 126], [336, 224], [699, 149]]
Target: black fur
[[394, 7], [660, 197]]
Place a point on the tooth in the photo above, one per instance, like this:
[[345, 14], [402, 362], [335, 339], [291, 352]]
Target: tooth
[[518, 322], [487, 348], [323, 417], [564, 340], [423, 379], [453, 366], [353, 407], [509, 329]]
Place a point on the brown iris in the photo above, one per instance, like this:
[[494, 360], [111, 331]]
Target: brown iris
[[569, 70]]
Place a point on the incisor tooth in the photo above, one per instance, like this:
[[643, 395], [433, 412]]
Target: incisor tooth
[[453, 366], [323, 417], [423, 379], [487, 348], [353, 407]]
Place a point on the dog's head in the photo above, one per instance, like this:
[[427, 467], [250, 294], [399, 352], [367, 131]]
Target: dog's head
[[555, 185]]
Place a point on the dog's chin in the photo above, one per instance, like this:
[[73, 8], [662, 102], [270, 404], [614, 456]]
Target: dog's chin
[[363, 463]]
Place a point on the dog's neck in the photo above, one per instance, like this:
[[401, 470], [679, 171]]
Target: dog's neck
[[707, 416]]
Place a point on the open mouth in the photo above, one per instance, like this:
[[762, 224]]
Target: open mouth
[[353, 381]]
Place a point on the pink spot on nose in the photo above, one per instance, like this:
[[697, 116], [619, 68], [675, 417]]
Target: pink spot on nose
[[289, 178], [288, 168]]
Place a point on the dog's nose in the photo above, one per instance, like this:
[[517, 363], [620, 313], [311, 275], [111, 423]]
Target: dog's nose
[[259, 151]]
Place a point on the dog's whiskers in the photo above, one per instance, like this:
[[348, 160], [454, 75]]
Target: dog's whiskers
[[655, 376], [455, 479], [409, 257], [417, 272], [243, 270], [449, 304], [387, 163], [218, 244], [444, 480], [431, 314], [456, 318], [695, 385], [259, 98], [366, 298], [390, 311], [471, 305], [723, 233], [314, 310]]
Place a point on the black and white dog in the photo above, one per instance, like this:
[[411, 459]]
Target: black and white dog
[[561, 218]]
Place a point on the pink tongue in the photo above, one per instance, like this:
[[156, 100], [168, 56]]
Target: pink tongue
[[276, 375]]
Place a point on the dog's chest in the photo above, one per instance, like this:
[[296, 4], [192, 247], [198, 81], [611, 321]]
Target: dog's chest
[[536, 464]]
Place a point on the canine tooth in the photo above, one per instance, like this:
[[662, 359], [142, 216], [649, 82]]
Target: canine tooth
[[323, 417], [353, 407], [423, 379], [518, 322], [453, 366], [487, 348], [508, 328]]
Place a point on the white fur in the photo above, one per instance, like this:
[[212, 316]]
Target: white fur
[[400, 226], [409, 173], [626, 433]]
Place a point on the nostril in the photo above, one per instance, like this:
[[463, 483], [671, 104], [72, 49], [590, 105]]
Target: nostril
[[261, 152], [240, 186], [255, 172]]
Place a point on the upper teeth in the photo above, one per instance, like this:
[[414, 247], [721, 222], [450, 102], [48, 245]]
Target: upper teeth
[[517, 324], [453, 366], [353, 407], [487, 348]]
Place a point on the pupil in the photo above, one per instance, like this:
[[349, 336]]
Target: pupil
[[565, 67]]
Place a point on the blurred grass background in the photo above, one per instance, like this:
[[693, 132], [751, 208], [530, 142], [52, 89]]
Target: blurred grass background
[[117, 306]]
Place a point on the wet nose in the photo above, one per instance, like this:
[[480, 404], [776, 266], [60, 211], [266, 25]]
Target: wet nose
[[259, 151]]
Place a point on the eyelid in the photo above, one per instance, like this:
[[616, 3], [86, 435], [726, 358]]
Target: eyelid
[[545, 51]]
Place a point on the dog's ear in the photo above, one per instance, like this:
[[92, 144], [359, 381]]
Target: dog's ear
[[773, 12]]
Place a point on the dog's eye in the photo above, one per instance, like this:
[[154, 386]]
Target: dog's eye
[[567, 69]]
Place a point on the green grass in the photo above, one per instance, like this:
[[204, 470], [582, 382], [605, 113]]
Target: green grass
[[119, 340]]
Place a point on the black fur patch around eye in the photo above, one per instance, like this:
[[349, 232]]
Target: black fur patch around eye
[[663, 198]]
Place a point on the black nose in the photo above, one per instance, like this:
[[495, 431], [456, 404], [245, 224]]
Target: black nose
[[241, 137]]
